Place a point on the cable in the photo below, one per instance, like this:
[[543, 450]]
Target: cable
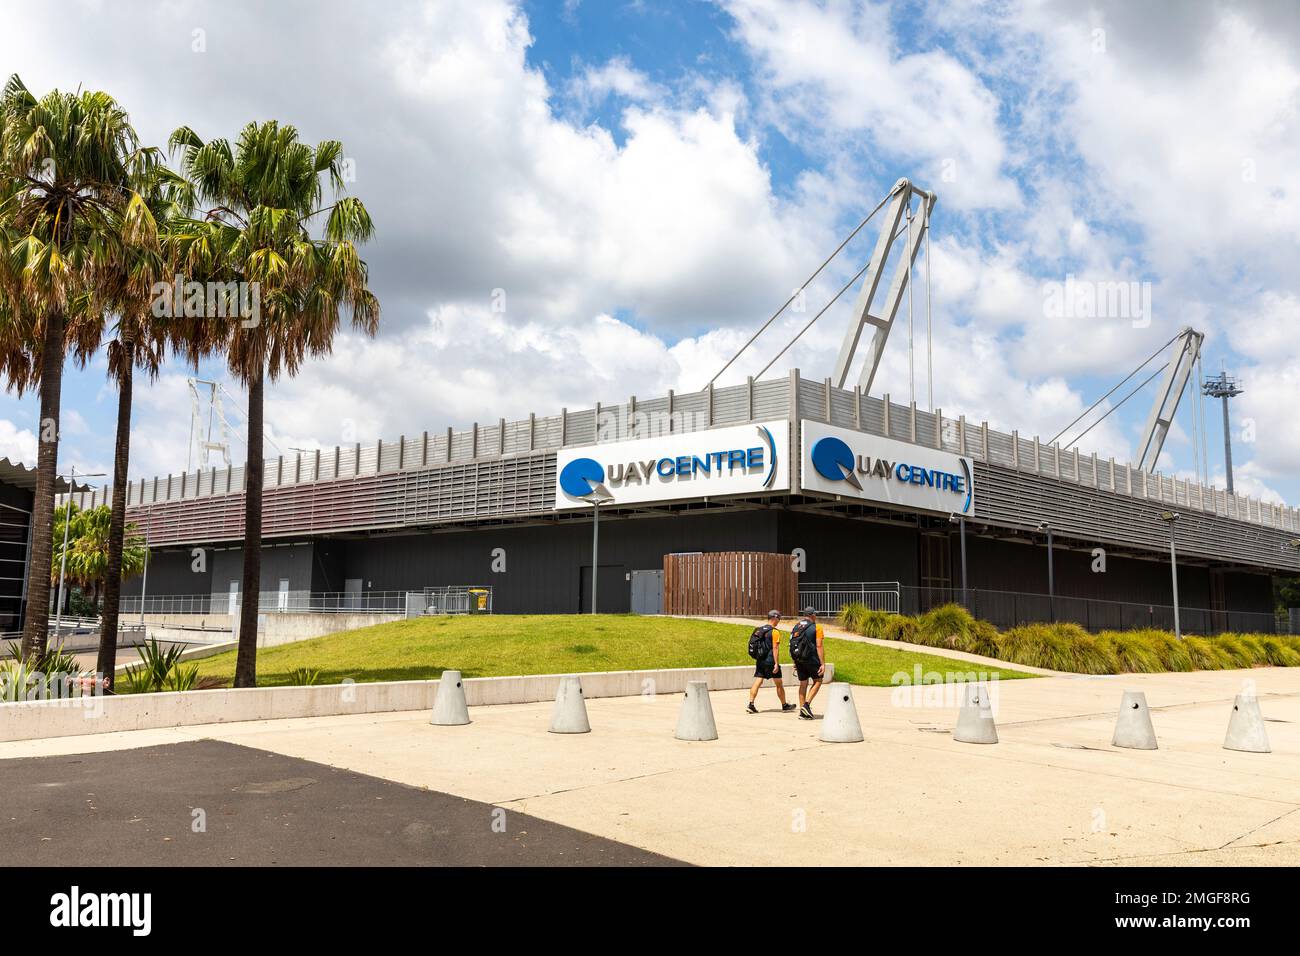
[[801, 288], [1118, 386], [848, 285], [1113, 409], [1200, 401], [799, 335], [929, 321]]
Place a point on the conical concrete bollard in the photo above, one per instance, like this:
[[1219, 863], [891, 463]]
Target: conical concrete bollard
[[695, 722], [449, 708], [1246, 727], [570, 713], [840, 725], [1133, 728], [975, 719]]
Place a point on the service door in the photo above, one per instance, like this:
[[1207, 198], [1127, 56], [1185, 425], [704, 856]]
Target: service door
[[648, 592]]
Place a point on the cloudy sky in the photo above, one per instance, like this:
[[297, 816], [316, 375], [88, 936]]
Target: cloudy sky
[[578, 201]]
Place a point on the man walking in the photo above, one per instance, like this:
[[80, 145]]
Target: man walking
[[809, 658], [765, 648]]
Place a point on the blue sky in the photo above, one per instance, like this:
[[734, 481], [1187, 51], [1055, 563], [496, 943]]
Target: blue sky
[[646, 182]]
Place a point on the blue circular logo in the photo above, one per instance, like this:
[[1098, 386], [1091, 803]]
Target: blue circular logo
[[579, 475], [832, 458]]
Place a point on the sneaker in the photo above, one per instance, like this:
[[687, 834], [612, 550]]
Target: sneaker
[[751, 708], [806, 712], [786, 708]]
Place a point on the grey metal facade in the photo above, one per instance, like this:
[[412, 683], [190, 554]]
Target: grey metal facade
[[410, 514]]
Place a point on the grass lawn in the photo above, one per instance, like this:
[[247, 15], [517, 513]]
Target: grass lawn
[[507, 644]]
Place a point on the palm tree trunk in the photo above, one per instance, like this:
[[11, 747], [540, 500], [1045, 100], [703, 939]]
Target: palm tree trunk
[[37, 623], [107, 662], [246, 660]]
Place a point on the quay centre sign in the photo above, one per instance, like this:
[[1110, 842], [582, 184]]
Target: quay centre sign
[[753, 459], [735, 460], [851, 464]]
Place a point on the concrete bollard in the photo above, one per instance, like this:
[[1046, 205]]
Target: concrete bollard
[[841, 725], [449, 709], [695, 722], [570, 713], [975, 720], [1133, 727], [1246, 727]]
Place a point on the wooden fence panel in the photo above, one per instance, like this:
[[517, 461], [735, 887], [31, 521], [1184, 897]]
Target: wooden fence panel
[[730, 584]]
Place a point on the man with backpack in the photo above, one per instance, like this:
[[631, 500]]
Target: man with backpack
[[765, 648], [809, 658]]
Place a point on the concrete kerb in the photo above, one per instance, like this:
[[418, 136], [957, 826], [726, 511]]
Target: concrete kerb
[[31, 720]]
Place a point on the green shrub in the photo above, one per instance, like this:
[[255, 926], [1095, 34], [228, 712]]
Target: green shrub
[[156, 670], [948, 625], [1038, 645], [1134, 654], [852, 615], [1172, 653], [983, 640], [1206, 655], [1235, 648], [182, 677], [1255, 649], [304, 676], [1277, 653], [1091, 655]]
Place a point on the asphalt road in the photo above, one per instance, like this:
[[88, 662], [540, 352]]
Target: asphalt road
[[211, 803]]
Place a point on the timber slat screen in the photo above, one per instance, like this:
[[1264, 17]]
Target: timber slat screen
[[730, 584]]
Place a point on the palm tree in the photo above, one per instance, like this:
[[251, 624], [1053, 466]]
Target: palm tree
[[160, 201], [87, 553], [265, 195], [63, 158]]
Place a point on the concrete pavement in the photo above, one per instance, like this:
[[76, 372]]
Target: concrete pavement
[[768, 791]]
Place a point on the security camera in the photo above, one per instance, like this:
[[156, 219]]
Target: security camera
[[1169, 516]]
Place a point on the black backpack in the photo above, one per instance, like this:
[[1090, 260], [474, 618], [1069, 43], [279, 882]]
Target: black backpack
[[760, 642], [803, 641]]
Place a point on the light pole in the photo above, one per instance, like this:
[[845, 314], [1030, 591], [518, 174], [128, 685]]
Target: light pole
[[599, 496], [1051, 571], [144, 579], [63, 558], [1170, 517], [960, 521]]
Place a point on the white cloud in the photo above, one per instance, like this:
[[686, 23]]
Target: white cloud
[[836, 69], [17, 444], [616, 77]]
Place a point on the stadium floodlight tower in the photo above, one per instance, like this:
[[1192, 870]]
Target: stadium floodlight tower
[[868, 310], [1187, 349], [1225, 386]]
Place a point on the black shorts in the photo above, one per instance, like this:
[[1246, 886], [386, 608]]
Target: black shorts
[[808, 671], [767, 668]]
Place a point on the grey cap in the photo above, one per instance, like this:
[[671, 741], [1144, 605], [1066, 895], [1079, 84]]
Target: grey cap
[[810, 611], [773, 613]]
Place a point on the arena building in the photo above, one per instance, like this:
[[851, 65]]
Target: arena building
[[867, 496], [860, 489]]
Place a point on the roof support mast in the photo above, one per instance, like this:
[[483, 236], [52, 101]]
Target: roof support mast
[[1187, 348], [865, 310]]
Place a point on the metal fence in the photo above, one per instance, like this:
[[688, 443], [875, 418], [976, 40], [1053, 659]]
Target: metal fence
[[829, 598], [454, 599], [270, 602], [1006, 609], [1012, 608]]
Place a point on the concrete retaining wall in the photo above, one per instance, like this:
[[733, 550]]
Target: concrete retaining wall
[[101, 715]]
